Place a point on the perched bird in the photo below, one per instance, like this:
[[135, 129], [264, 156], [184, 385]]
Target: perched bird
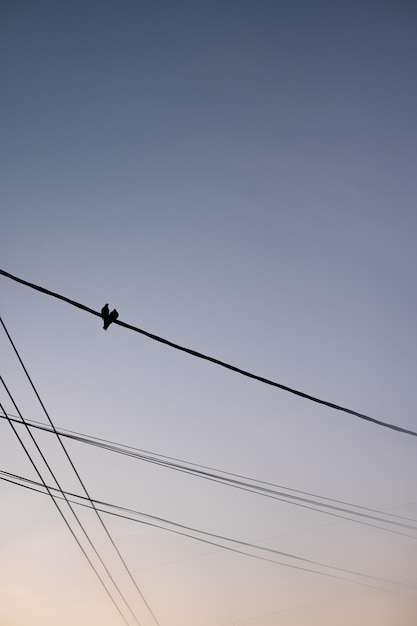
[[105, 314], [113, 316], [108, 317]]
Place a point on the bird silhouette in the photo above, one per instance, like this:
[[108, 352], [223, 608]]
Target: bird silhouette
[[108, 317], [113, 316], [105, 314]]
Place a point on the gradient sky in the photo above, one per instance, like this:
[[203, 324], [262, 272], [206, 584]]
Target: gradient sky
[[239, 177]]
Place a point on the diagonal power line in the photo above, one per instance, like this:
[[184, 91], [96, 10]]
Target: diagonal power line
[[100, 518], [211, 359], [64, 497], [205, 536], [297, 497]]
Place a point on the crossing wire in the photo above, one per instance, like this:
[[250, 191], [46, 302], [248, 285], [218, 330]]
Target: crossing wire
[[112, 541], [64, 497], [207, 537], [262, 488], [211, 359]]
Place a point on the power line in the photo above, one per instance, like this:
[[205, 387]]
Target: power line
[[112, 541], [250, 485], [205, 357], [64, 497], [185, 530], [126, 449]]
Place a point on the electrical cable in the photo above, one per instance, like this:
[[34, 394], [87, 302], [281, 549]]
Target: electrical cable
[[113, 543], [252, 487], [157, 521], [123, 448], [64, 497], [205, 357]]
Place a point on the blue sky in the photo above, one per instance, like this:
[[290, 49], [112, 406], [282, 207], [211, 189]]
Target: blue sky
[[238, 177]]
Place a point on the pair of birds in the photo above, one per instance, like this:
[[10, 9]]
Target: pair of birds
[[108, 317]]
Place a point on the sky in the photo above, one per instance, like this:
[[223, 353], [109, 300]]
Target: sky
[[239, 178]]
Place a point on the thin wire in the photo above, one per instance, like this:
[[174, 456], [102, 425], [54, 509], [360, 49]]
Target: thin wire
[[252, 488], [8, 477], [205, 357], [64, 497], [118, 447], [84, 488]]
